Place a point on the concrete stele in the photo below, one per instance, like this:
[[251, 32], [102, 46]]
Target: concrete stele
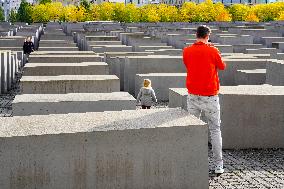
[[53, 69], [69, 84], [127, 149], [42, 104]]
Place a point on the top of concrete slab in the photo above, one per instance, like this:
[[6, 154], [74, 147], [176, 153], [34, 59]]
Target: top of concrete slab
[[232, 36], [165, 46], [96, 121], [162, 74], [73, 97], [277, 42], [253, 71], [62, 55], [277, 61], [62, 52], [53, 40], [252, 90], [110, 46], [68, 78], [100, 36], [166, 50], [248, 44], [182, 91], [32, 65], [125, 53], [219, 45], [244, 60], [59, 48], [272, 37], [154, 56]]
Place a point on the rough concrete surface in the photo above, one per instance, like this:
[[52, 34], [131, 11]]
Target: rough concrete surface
[[42, 104], [131, 149], [69, 84], [53, 69]]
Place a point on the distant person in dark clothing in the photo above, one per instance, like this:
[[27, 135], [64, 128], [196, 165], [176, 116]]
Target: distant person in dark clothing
[[28, 47]]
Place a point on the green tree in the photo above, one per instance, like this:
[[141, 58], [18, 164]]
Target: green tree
[[85, 4], [45, 1], [13, 16], [2, 16], [25, 12]]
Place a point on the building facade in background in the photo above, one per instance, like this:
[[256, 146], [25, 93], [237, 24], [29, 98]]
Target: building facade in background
[[9, 5]]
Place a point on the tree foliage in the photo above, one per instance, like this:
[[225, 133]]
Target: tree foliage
[[2, 15], [24, 13], [13, 16], [86, 4], [45, 1], [206, 11]]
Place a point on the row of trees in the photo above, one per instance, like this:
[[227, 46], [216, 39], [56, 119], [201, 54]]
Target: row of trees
[[190, 12]]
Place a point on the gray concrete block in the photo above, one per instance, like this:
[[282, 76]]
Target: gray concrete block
[[256, 33], [11, 48], [128, 149], [170, 52], [110, 48], [227, 77], [63, 52], [241, 48], [239, 56], [109, 55], [234, 40], [12, 42], [251, 116], [246, 123], [69, 84], [104, 43], [51, 44], [250, 77], [161, 82], [275, 72], [269, 40], [178, 98], [116, 62], [279, 56], [53, 69], [101, 38], [13, 62], [56, 58], [150, 64], [263, 51], [58, 48], [55, 36], [4, 73], [142, 48], [9, 70], [225, 48], [44, 104], [278, 45]]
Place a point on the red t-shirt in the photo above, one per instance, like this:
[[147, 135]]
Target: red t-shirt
[[202, 61]]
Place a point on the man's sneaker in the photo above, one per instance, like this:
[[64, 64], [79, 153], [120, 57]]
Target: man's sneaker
[[219, 169]]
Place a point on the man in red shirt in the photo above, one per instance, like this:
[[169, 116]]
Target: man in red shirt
[[202, 61]]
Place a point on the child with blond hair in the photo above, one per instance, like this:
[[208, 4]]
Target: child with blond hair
[[146, 95]]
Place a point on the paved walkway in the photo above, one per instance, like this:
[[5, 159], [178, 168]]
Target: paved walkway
[[6, 100], [251, 169]]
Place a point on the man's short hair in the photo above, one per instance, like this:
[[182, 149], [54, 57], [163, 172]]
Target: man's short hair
[[202, 31]]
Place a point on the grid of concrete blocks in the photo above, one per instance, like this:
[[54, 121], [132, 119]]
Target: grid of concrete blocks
[[75, 124]]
